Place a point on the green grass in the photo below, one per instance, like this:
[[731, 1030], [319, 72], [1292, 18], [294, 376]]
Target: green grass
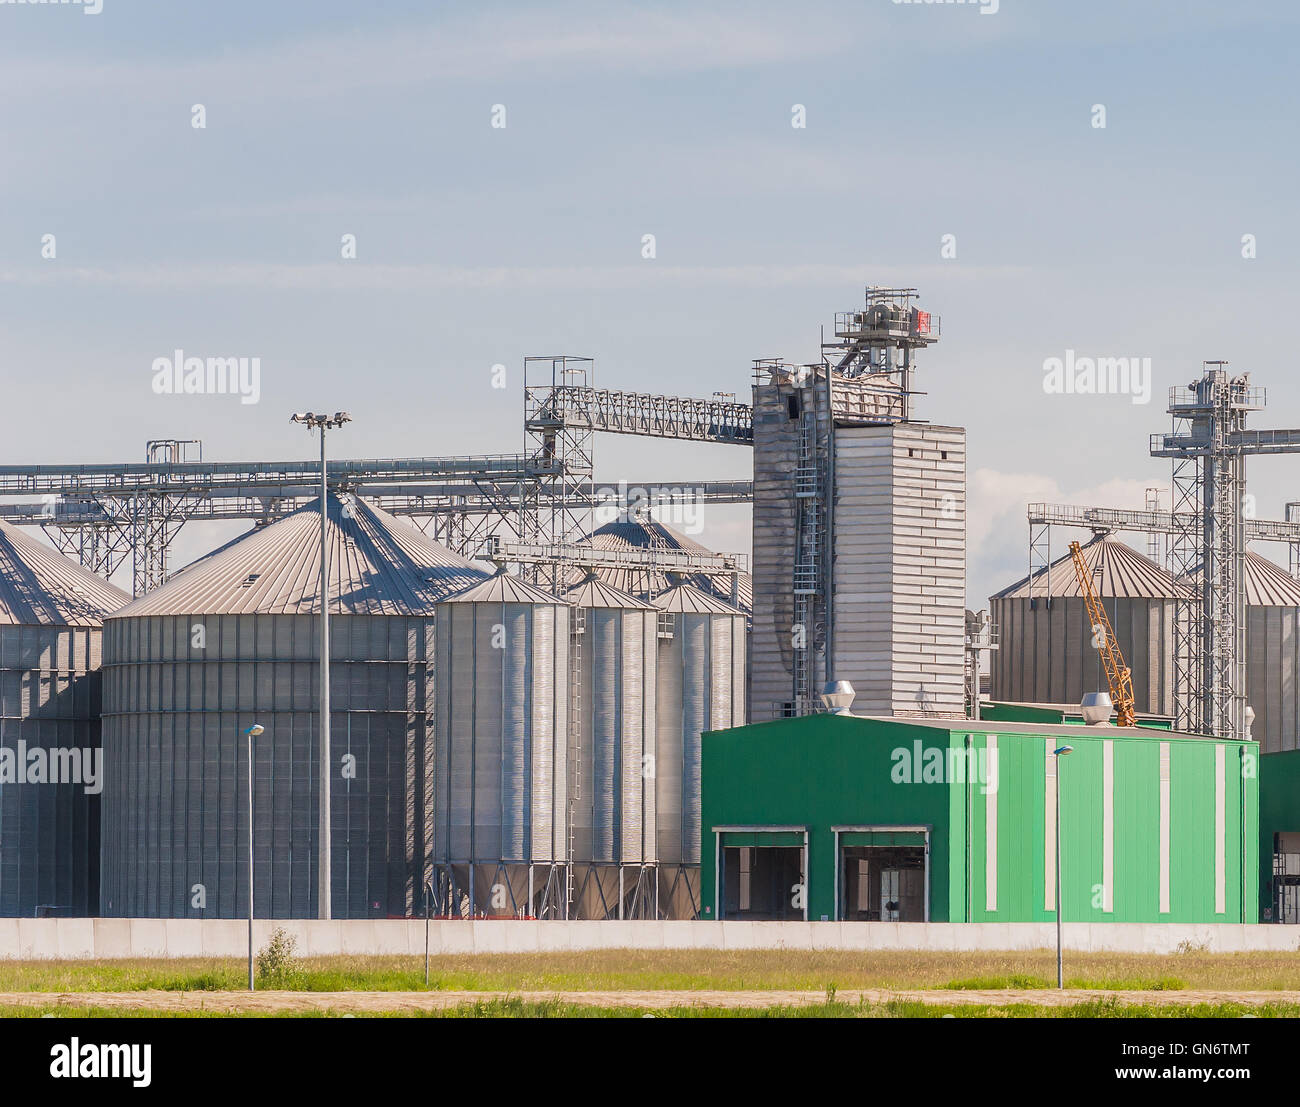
[[517, 1008], [635, 970]]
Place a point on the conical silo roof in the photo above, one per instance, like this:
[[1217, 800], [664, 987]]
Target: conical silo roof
[[41, 587], [687, 599], [594, 592], [501, 587], [644, 532], [378, 566], [1118, 571], [1268, 585]]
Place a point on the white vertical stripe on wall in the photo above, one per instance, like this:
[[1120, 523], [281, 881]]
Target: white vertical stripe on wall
[[991, 825], [1220, 829], [1108, 825], [1164, 828], [1049, 824]]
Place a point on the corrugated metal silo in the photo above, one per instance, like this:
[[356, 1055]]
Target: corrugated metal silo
[[233, 639], [1272, 657], [701, 687], [613, 649], [51, 612], [640, 531], [502, 823], [1046, 653]]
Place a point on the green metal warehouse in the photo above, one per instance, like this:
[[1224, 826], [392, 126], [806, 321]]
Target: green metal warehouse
[[901, 819]]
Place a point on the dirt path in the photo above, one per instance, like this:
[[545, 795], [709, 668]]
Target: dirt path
[[373, 1002]]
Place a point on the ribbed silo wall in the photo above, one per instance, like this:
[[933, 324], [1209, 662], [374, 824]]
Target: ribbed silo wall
[[179, 691], [614, 811], [1046, 654], [49, 807], [1273, 675], [701, 687], [500, 777]]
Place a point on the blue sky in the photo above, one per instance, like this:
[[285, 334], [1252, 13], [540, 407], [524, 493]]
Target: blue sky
[[479, 246]]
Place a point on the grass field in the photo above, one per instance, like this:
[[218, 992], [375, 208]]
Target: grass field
[[522, 1007], [683, 970]]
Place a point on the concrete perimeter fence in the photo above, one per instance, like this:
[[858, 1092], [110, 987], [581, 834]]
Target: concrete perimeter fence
[[29, 939]]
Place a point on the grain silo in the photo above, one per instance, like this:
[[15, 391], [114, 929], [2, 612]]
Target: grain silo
[[1046, 653], [51, 612], [500, 841], [701, 687], [233, 640], [1272, 657], [613, 645], [640, 531]]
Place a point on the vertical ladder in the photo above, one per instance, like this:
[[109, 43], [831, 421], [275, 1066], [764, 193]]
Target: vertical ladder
[[808, 541]]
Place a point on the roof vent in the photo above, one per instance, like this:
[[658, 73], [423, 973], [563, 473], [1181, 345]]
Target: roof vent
[[838, 696], [1097, 708], [250, 579]]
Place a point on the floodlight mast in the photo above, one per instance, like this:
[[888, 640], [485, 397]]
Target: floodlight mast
[[324, 898]]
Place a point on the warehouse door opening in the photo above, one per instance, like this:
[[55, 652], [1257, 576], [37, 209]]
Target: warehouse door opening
[[1286, 877], [762, 876], [883, 875]]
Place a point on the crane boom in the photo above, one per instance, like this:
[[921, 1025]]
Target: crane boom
[[1118, 675]]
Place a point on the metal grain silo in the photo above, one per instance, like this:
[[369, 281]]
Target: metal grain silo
[[51, 612], [701, 687], [232, 640], [613, 700], [1272, 657], [640, 531], [1046, 653], [500, 840]]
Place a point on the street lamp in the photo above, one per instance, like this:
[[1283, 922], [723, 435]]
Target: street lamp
[[313, 421], [1058, 753], [254, 731]]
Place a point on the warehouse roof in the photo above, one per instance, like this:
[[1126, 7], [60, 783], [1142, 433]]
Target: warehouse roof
[[378, 566], [1119, 571], [1045, 730], [41, 587]]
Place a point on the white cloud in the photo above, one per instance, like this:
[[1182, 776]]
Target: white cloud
[[360, 276], [573, 40]]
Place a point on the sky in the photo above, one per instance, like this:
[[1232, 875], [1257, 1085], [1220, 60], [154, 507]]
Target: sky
[[974, 125]]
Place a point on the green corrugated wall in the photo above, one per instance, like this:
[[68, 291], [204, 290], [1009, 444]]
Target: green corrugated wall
[[825, 771]]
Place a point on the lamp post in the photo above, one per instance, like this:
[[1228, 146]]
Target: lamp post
[[428, 898], [313, 421], [252, 732], [1058, 753]]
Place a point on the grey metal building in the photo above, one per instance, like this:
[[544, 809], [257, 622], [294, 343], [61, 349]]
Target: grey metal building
[[613, 649], [1272, 654], [233, 640], [700, 687], [1046, 653], [500, 786], [51, 613]]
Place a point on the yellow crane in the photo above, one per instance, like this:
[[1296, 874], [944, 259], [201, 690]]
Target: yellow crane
[[1118, 674]]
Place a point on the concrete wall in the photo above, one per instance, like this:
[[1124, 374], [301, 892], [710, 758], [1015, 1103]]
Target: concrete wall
[[30, 939]]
